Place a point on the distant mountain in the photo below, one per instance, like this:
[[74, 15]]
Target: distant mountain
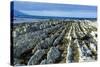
[[19, 14]]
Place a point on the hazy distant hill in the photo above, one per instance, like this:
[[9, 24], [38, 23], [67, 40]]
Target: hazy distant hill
[[19, 14]]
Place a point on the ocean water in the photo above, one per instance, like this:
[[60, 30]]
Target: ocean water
[[27, 20]]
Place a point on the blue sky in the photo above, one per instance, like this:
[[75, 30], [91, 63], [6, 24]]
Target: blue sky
[[59, 10]]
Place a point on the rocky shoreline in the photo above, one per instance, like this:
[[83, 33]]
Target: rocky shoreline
[[54, 41]]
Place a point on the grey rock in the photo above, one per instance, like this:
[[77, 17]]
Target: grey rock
[[53, 55], [44, 61], [36, 57], [26, 42], [48, 42], [58, 39]]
